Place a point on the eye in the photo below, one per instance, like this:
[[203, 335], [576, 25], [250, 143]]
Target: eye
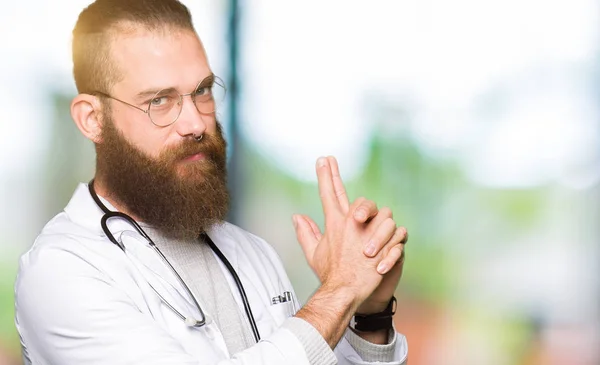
[[203, 90], [159, 101]]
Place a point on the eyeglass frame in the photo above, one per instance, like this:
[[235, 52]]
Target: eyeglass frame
[[216, 80]]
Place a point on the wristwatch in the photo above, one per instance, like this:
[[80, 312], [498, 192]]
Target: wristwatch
[[375, 321]]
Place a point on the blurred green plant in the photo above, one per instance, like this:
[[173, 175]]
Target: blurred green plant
[[8, 333], [70, 158]]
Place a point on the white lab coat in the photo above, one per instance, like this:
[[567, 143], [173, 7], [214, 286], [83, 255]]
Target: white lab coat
[[80, 300]]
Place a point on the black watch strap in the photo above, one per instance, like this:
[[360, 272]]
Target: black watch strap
[[375, 321]]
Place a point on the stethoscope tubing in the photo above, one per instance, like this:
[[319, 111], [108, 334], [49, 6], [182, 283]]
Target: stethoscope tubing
[[108, 214]]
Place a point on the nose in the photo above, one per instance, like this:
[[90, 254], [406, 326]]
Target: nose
[[190, 121]]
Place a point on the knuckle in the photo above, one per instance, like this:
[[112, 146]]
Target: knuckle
[[396, 237], [386, 228], [356, 205], [395, 252], [359, 201], [389, 252], [390, 223], [399, 249], [370, 203], [386, 212], [401, 232]]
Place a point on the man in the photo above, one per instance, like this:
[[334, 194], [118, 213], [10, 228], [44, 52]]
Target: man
[[141, 268]]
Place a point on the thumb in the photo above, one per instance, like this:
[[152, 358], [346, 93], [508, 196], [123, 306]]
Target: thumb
[[306, 237], [314, 227]]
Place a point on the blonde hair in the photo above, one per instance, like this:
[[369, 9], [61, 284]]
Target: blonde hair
[[100, 23]]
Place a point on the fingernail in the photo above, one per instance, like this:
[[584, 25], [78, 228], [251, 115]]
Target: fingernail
[[322, 161], [360, 214], [295, 220], [382, 268], [370, 250]]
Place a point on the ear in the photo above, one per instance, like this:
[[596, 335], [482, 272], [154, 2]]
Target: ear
[[86, 113]]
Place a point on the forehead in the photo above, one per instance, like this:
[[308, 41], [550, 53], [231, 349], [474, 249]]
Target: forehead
[[158, 59]]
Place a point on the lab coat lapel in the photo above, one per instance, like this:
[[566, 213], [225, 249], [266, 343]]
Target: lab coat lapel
[[136, 245], [226, 244], [229, 246]]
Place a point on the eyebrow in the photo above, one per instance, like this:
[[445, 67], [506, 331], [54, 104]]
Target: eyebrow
[[143, 95]]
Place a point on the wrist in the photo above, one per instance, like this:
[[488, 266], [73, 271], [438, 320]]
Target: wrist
[[329, 311], [341, 296], [370, 307]]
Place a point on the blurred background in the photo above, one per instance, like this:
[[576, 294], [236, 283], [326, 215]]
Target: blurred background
[[477, 122]]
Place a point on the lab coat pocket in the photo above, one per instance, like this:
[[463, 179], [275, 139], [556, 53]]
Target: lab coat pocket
[[282, 306]]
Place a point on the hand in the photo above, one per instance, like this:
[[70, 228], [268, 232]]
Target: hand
[[392, 264], [336, 256], [392, 247], [347, 276]]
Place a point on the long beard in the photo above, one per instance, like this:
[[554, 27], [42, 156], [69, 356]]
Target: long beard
[[179, 199]]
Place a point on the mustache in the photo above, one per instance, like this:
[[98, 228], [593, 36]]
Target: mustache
[[208, 146]]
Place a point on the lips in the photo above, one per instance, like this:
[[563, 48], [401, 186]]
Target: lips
[[192, 151], [195, 157]]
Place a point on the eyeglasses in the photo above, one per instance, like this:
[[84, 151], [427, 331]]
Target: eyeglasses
[[165, 106]]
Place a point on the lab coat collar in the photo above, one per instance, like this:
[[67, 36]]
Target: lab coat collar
[[83, 210]]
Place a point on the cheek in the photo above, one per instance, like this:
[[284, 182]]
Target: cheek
[[139, 131]]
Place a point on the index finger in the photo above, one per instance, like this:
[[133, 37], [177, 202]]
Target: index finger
[[326, 189], [338, 185]]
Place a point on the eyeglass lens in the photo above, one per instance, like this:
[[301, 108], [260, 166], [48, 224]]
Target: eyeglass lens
[[165, 107]]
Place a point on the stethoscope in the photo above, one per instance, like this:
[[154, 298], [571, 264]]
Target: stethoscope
[[189, 321]]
